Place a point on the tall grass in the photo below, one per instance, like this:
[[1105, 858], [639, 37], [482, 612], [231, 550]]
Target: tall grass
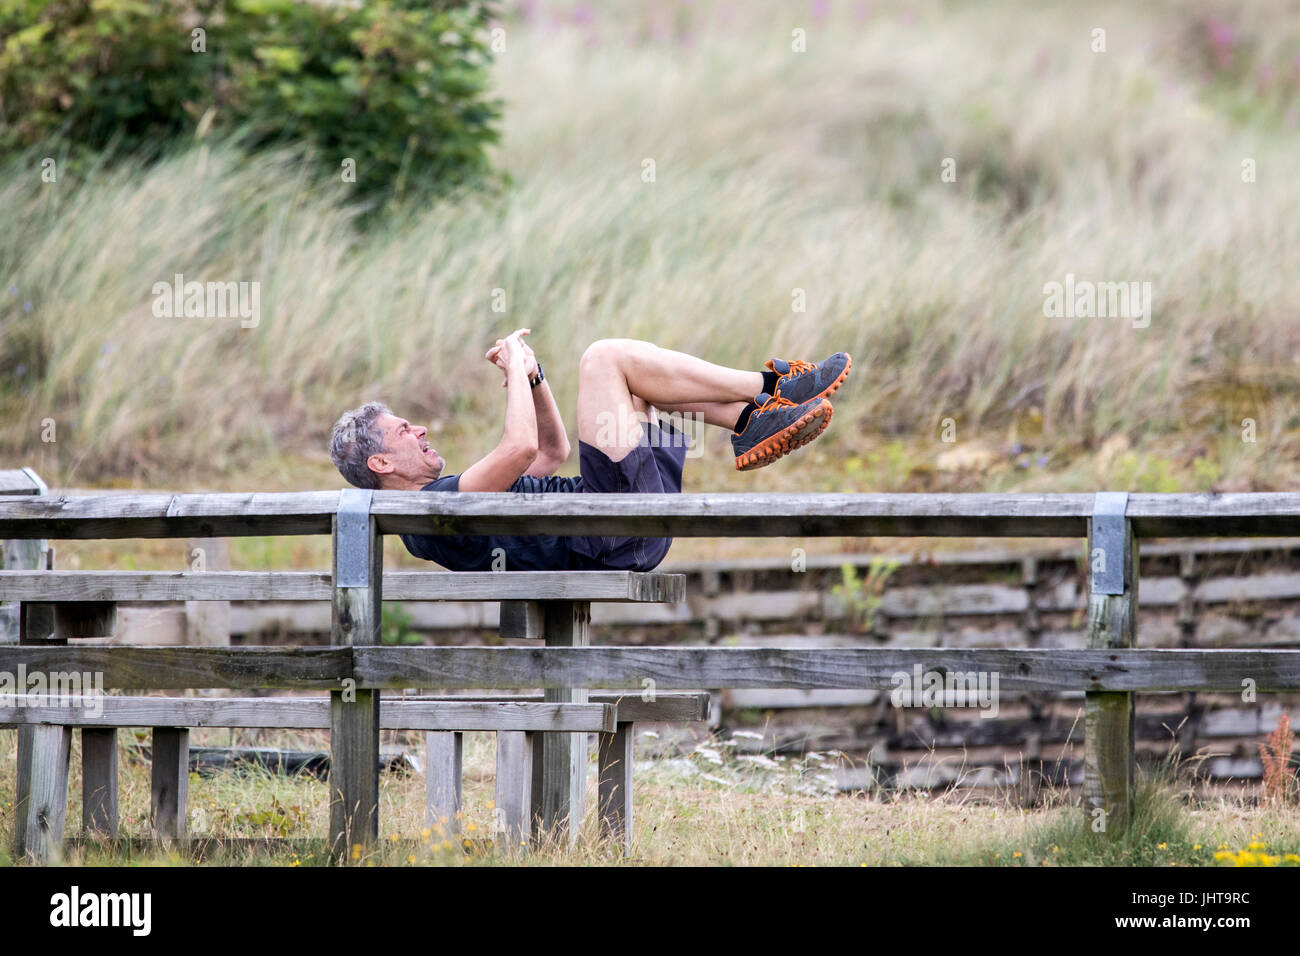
[[707, 808], [774, 171]]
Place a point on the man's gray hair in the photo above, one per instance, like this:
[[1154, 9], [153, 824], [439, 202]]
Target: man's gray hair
[[356, 437]]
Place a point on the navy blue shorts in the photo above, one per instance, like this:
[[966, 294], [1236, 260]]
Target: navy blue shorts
[[653, 467]]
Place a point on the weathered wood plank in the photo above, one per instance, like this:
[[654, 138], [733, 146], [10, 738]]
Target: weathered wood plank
[[354, 713], [122, 586], [170, 516], [672, 668], [561, 803], [615, 786], [182, 668], [775, 514], [99, 781], [650, 708], [38, 828], [443, 772], [771, 514], [17, 481], [1109, 767], [514, 786], [207, 623], [170, 783], [25, 554], [1038, 669], [522, 619], [290, 714], [36, 631], [628, 707]]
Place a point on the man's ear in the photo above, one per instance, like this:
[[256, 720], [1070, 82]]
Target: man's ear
[[380, 465]]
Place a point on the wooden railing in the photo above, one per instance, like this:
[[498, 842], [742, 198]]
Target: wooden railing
[[1109, 671]]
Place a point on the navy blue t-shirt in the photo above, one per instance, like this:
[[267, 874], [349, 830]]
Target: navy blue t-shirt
[[459, 552]]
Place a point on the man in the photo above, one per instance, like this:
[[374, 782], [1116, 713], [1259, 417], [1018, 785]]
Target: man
[[622, 446]]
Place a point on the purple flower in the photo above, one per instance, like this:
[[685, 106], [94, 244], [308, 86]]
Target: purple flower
[[21, 370], [13, 290], [1042, 461], [821, 9], [27, 306], [583, 14], [1222, 38], [1220, 33]]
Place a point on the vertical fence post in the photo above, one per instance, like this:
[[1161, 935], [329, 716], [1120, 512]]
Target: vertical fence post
[[354, 713], [615, 787], [514, 788], [170, 784], [99, 782], [560, 782], [1112, 623], [40, 805], [443, 761], [25, 624]]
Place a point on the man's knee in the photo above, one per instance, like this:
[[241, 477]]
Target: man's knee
[[600, 355]]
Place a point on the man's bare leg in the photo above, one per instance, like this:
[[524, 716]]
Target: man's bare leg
[[618, 378], [722, 414]]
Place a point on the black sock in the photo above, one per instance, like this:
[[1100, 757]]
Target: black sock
[[769, 382], [743, 420]]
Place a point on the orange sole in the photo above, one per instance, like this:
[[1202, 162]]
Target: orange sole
[[833, 386], [793, 436]]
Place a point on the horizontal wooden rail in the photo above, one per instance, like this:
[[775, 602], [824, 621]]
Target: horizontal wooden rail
[[122, 586], [804, 668], [19, 481], [699, 515], [632, 707], [483, 712], [182, 668], [288, 714], [1018, 670]]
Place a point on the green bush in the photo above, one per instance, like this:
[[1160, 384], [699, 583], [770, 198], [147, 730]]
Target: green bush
[[397, 86]]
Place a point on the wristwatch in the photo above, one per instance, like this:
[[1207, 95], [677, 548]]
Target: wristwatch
[[534, 382]]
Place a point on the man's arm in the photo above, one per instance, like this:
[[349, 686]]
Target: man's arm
[[518, 446], [552, 441]]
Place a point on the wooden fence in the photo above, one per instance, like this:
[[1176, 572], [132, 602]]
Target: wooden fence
[[1109, 671], [1196, 594]]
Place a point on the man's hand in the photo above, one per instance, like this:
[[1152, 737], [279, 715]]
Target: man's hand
[[501, 352]]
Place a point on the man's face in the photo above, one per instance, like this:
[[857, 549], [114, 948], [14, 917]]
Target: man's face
[[408, 459]]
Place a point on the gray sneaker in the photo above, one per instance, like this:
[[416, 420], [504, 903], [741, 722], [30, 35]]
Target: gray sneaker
[[804, 381], [777, 427]]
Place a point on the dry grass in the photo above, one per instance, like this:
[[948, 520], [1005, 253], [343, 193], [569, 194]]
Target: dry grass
[[704, 809], [774, 171]]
